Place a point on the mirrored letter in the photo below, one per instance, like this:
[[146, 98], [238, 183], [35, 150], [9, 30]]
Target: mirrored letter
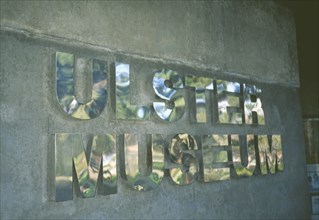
[[124, 108], [132, 174], [185, 166], [215, 157], [165, 83], [270, 154], [254, 114], [228, 102], [237, 160], [65, 88], [200, 84], [87, 165]]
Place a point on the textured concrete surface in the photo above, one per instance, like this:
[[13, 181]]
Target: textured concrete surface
[[30, 114], [222, 35]]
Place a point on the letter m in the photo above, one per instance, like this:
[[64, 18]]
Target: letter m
[[270, 154], [73, 161]]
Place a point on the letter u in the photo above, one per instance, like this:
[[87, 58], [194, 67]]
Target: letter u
[[65, 88]]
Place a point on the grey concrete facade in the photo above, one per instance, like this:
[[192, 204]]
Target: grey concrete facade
[[247, 42]]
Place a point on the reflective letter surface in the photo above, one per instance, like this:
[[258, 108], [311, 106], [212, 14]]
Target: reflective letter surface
[[132, 174], [200, 84], [87, 165], [124, 108], [237, 160], [65, 88], [215, 157], [228, 102], [165, 83], [254, 114], [270, 154], [185, 166]]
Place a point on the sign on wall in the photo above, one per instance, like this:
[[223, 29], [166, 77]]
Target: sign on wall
[[184, 156]]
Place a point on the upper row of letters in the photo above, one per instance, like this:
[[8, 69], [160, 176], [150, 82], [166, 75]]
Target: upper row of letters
[[237, 103]]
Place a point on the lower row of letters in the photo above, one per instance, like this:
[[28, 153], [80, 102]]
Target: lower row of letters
[[208, 158]]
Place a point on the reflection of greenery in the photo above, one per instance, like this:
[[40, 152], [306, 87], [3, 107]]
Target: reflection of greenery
[[70, 146], [124, 109], [145, 183], [237, 161], [103, 143], [213, 153], [87, 184], [217, 174], [110, 181], [242, 171], [270, 155], [179, 107], [198, 82], [134, 177], [65, 88], [170, 75], [65, 58], [233, 117]]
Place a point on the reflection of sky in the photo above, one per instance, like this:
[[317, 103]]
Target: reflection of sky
[[109, 164], [233, 87], [162, 110], [124, 108], [161, 90], [64, 78], [251, 89], [228, 86], [185, 164], [141, 113], [122, 75], [65, 88]]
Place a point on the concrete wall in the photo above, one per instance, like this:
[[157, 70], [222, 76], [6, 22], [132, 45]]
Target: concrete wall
[[248, 42]]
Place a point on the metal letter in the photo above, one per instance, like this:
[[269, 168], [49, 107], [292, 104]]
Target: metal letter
[[65, 88], [132, 175], [87, 165], [124, 108], [215, 157], [254, 114], [237, 160], [185, 166], [165, 83], [270, 154], [200, 84], [228, 102]]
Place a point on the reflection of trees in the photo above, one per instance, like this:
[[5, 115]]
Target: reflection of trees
[[133, 176], [213, 154], [65, 88], [229, 107], [237, 160], [183, 162], [124, 108], [270, 155], [103, 150], [199, 82], [216, 174], [87, 170], [228, 102]]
